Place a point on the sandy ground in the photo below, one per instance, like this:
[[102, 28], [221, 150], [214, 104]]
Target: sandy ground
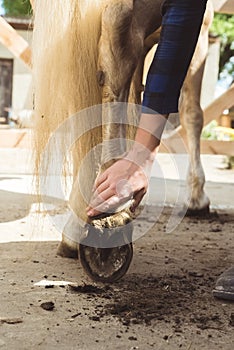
[[165, 300]]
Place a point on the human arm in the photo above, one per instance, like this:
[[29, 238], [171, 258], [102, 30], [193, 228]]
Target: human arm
[[128, 177]]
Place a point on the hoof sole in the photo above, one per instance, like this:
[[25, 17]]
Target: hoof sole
[[105, 265]]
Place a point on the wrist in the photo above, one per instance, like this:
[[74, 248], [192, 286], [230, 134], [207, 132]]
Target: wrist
[[140, 155]]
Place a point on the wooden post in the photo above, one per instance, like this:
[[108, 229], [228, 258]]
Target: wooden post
[[14, 42], [32, 4]]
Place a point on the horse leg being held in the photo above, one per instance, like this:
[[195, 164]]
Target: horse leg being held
[[106, 252], [125, 24], [120, 49]]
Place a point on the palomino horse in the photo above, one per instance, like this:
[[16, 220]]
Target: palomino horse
[[88, 52]]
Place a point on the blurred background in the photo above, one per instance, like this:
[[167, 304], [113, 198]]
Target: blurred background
[[16, 98]]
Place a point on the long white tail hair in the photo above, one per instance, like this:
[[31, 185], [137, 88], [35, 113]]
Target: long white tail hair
[[65, 47]]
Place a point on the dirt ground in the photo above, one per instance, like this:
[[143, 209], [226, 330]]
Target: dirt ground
[[164, 302]]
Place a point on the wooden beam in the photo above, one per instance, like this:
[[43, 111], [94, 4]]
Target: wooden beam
[[216, 108], [224, 6], [172, 143], [175, 145], [217, 147], [14, 42]]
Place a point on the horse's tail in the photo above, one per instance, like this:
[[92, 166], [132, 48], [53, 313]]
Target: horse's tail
[[65, 44]]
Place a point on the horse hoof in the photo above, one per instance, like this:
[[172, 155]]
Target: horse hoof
[[105, 250], [106, 265], [66, 251], [204, 212]]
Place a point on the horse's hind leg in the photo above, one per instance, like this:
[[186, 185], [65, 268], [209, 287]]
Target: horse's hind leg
[[192, 121]]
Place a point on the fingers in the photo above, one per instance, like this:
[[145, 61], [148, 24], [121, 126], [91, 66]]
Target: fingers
[[100, 179], [137, 199], [100, 196], [107, 197], [108, 206], [100, 189], [104, 206], [115, 186], [100, 205]]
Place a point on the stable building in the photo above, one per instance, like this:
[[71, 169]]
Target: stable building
[[15, 75]]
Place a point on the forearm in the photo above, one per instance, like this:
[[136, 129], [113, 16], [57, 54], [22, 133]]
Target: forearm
[[147, 138], [129, 176]]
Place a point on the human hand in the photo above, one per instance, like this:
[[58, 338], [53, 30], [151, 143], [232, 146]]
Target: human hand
[[122, 181]]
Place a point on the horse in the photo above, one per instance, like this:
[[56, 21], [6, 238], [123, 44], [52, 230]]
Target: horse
[[91, 52]]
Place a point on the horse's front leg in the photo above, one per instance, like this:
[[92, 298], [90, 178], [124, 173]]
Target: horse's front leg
[[117, 62], [120, 48], [192, 121]]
